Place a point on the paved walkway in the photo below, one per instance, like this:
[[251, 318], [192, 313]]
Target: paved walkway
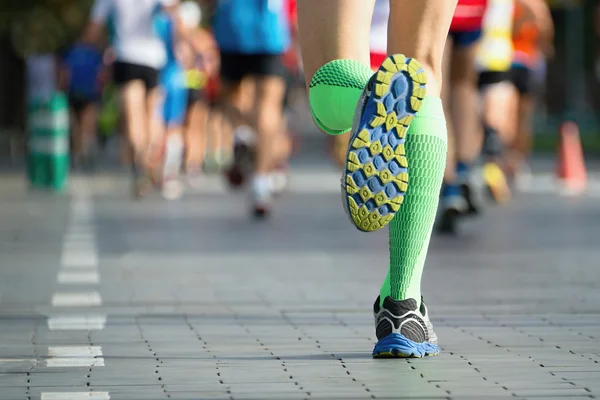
[[102, 298]]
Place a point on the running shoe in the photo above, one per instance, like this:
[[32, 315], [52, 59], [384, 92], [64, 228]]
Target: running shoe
[[452, 207], [403, 330], [279, 180], [375, 177], [244, 155], [172, 189], [262, 196], [468, 194], [142, 181], [496, 182]]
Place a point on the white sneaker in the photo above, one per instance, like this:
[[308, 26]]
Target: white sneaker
[[172, 189], [279, 181], [262, 195]]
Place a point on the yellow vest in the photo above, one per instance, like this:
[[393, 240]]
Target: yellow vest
[[495, 48]]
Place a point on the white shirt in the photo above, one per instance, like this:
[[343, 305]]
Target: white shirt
[[134, 40], [379, 27]]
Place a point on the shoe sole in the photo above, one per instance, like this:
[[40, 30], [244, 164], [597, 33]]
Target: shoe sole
[[375, 176], [396, 345], [496, 183]]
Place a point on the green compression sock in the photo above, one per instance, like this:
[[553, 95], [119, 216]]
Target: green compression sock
[[334, 92], [410, 230]]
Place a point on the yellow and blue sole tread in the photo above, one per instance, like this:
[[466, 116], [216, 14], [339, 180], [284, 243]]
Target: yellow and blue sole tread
[[376, 175]]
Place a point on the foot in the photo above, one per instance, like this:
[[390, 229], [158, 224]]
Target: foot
[[262, 196], [452, 207], [472, 207], [241, 166], [194, 177], [375, 177], [279, 181], [172, 189], [142, 181], [403, 330], [496, 182]]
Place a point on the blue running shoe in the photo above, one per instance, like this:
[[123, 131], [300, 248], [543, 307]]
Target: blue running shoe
[[376, 172], [403, 330]]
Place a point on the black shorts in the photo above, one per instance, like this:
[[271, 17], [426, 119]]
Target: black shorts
[[487, 78], [465, 38], [79, 103], [522, 78], [193, 97], [234, 67], [125, 72]]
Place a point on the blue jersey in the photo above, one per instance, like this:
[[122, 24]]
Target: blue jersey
[[172, 76], [84, 63], [165, 29], [252, 26]]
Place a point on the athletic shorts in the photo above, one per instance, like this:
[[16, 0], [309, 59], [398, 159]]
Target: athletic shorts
[[488, 78], [77, 102], [125, 72], [465, 38], [234, 67], [193, 97], [521, 77]]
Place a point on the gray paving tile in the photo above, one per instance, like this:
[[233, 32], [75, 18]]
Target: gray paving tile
[[204, 304]]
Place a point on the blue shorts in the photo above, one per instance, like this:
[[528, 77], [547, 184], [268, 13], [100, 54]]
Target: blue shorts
[[465, 38], [176, 97]]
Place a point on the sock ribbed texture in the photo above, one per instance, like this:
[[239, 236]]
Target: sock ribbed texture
[[410, 230]]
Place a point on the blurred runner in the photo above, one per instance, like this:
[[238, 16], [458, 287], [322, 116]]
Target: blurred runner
[[533, 36], [194, 57], [140, 55], [252, 36], [459, 93], [81, 70], [494, 60], [174, 104]]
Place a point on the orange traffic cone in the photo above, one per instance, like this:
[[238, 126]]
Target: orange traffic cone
[[570, 170]]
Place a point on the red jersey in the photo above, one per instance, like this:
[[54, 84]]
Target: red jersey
[[468, 16]]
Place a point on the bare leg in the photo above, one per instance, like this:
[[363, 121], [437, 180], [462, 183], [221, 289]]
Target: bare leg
[[136, 116], [498, 100], [195, 136], [268, 122], [466, 116], [76, 135], [332, 30], [419, 29], [446, 94], [521, 146], [89, 123]]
